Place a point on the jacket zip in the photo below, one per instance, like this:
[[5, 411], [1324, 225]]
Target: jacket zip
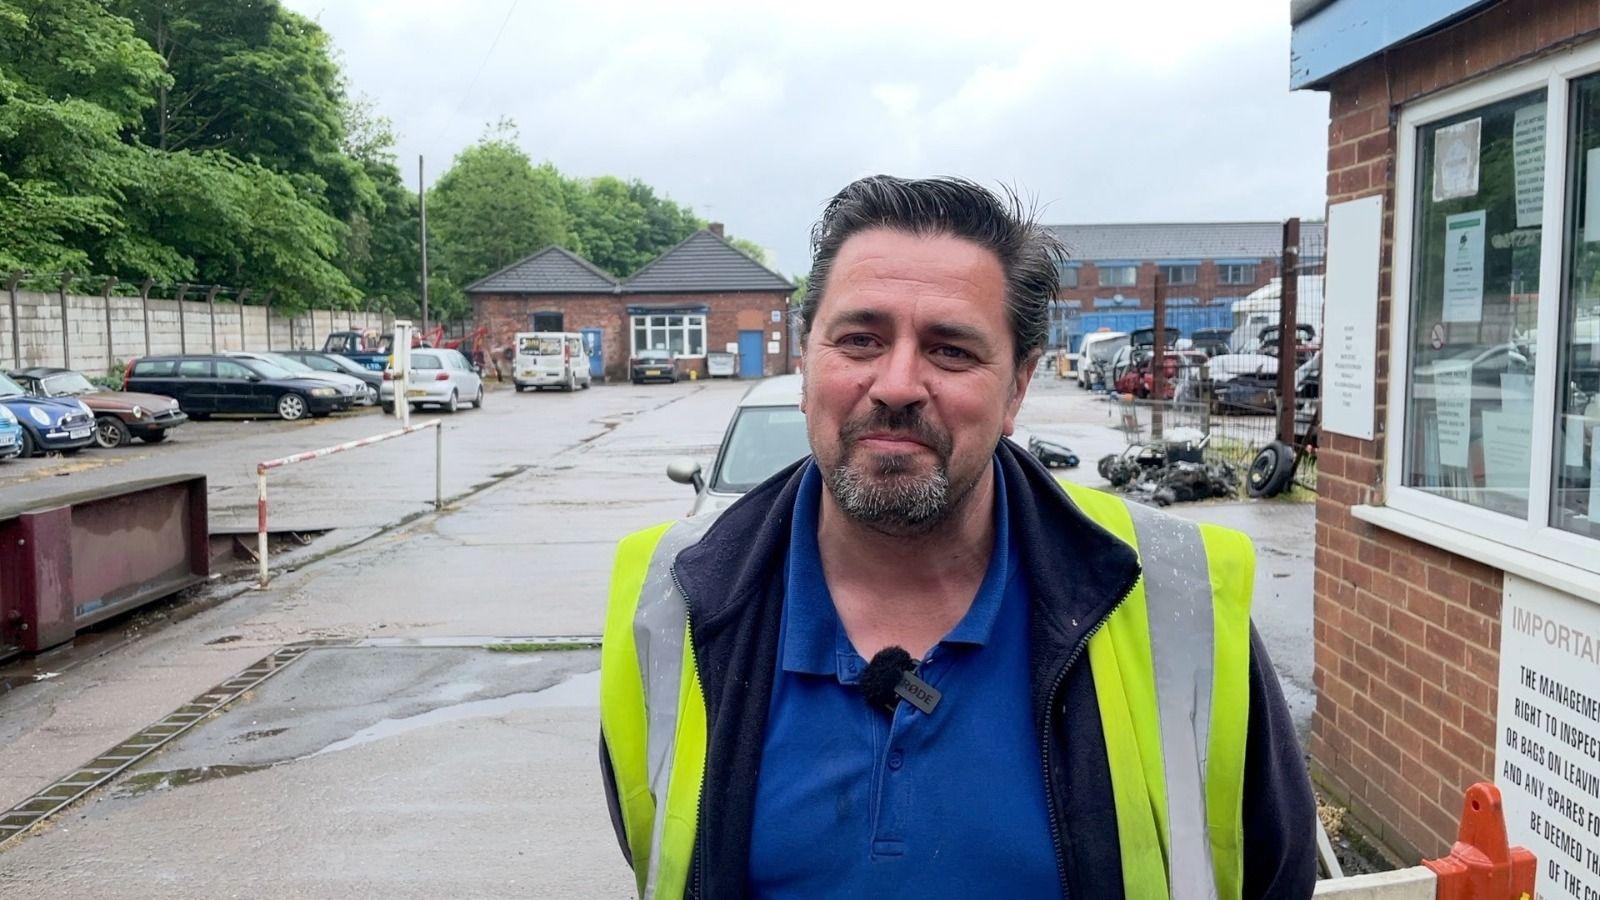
[[697, 868], [1044, 738]]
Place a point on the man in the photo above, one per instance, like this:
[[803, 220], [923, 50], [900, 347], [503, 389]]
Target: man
[[1041, 715]]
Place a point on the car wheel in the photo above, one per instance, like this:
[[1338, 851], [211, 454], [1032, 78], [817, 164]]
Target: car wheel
[[388, 409], [451, 405], [109, 432], [30, 447], [154, 437], [587, 382], [291, 407], [478, 403], [1271, 470], [519, 388]]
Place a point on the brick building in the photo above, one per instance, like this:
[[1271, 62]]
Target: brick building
[[1457, 610], [1205, 267], [703, 295]]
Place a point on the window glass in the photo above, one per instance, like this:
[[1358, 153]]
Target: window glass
[[640, 340], [1575, 505], [425, 361], [268, 370], [320, 363], [154, 368], [194, 368], [697, 341], [1236, 273], [226, 369], [763, 441], [1178, 274], [1118, 276], [1474, 305], [1069, 276]]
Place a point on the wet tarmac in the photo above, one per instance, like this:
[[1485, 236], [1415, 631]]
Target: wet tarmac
[[418, 763]]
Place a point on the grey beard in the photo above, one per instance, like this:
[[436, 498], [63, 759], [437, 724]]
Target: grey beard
[[901, 503]]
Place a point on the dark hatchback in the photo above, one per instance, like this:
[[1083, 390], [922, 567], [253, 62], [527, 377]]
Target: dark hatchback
[[205, 385], [652, 365]]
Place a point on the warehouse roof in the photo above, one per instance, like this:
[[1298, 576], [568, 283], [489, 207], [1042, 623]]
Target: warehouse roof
[[704, 263], [1181, 240], [553, 270]]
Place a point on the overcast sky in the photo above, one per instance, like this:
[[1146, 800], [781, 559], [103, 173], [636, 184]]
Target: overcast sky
[[1128, 111]]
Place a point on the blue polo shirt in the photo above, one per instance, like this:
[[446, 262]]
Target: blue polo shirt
[[853, 802]]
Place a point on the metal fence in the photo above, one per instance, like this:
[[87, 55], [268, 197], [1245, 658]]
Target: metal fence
[[1232, 396]]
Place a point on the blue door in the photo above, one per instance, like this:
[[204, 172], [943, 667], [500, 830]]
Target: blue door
[[594, 342], [751, 354]]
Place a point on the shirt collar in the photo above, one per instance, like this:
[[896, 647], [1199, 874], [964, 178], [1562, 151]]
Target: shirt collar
[[814, 641]]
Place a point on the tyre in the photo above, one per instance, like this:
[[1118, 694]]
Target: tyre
[[109, 432], [572, 383], [587, 382], [388, 409], [478, 403], [292, 407], [452, 404], [30, 447], [1271, 471], [154, 437], [1104, 466], [519, 388]]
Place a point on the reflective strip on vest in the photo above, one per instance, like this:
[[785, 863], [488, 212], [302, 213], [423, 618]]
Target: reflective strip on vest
[[1181, 644], [660, 825], [1171, 675]]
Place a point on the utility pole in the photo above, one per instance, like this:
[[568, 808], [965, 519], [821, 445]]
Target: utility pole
[[422, 206]]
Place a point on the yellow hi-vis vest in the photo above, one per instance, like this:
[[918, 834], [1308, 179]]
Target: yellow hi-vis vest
[[1171, 671]]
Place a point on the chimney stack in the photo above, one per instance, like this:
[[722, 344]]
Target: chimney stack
[[716, 228]]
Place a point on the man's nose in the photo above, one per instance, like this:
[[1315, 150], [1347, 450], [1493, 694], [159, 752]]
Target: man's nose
[[898, 381]]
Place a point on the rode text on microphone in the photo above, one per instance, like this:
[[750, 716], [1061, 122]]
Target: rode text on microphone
[[891, 677]]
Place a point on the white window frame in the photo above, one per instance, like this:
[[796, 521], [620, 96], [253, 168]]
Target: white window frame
[[1453, 522], [649, 329], [1100, 276], [1250, 269], [1193, 277]]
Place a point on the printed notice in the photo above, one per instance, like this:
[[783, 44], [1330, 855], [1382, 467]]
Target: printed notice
[[1507, 442], [1452, 415], [1547, 734], [1350, 314], [1527, 153], [1463, 267], [1455, 160]]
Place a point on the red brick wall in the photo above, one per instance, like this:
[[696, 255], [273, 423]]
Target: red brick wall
[[506, 314], [1407, 636], [1205, 287]]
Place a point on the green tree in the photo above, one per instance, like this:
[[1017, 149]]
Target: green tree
[[491, 208], [619, 226], [381, 254]]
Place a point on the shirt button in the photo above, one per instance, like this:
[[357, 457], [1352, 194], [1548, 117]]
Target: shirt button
[[896, 760]]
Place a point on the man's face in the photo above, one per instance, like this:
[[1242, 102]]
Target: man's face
[[909, 376]]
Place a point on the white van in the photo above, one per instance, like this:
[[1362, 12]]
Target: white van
[[550, 359], [1095, 355]]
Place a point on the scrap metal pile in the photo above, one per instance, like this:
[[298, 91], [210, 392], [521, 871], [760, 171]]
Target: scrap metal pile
[[1168, 472]]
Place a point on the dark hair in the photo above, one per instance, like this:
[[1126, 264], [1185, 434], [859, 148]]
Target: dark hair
[[958, 208]]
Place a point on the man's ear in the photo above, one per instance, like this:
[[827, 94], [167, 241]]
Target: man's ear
[[1019, 390]]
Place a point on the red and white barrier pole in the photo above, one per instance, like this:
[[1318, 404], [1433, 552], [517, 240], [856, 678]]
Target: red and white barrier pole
[[262, 468]]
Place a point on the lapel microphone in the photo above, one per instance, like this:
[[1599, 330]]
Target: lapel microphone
[[891, 677]]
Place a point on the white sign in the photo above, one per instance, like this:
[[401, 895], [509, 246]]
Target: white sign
[[731, 347], [1455, 160], [777, 315], [1507, 435], [777, 335], [1452, 411], [1527, 153], [1547, 734], [772, 347], [1350, 313], [1463, 267]]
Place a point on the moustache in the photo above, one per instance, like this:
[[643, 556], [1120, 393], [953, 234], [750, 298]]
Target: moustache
[[907, 422]]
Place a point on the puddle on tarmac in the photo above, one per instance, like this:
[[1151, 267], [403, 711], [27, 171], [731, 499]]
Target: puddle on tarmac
[[146, 782], [577, 691]]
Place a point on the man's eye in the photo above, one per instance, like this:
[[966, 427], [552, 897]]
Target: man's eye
[[862, 341], [952, 353]]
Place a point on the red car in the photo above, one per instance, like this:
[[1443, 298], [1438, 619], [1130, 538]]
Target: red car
[[1176, 364], [119, 416]]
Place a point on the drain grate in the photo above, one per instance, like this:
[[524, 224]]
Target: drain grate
[[28, 814]]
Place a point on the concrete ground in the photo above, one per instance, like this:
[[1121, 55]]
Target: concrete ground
[[419, 764]]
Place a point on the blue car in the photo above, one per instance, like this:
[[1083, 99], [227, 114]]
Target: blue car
[[61, 425], [10, 434]]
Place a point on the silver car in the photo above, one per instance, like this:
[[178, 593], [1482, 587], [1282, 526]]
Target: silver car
[[768, 432], [349, 387], [438, 376]]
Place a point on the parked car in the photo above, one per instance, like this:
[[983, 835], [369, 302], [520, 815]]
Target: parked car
[[351, 389], [119, 416], [367, 349], [441, 377], [550, 359], [63, 425], [1095, 354], [207, 384], [1213, 341], [10, 434], [767, 433], [652, 365], [1177, 365], [337, 363]]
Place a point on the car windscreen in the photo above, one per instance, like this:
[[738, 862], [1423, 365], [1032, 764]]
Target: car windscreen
[[653, 356], [288, 364], [425, 361], [265, 369], [539, 345], [9, 388], [66, 384], [1104, 351], [345, 363], [764, 439]]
